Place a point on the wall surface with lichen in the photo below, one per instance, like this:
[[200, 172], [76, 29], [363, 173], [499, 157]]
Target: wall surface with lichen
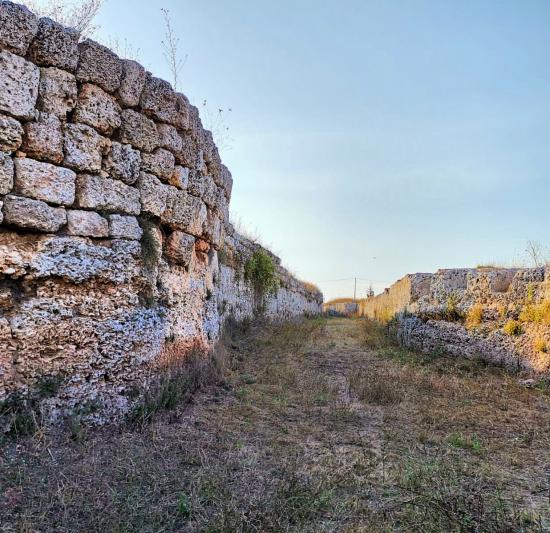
[[466, 312], [113, 218]]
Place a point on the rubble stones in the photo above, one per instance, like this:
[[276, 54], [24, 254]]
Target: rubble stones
[[33, 214], [95, 192], [54, 45], [18, 85], [98, 109], [17, 27], [43, 181], [86, 224], [57, 92], [99, 65]]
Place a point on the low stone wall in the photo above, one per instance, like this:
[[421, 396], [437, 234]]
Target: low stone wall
[[341, 308], [500, 315], [113, 216]]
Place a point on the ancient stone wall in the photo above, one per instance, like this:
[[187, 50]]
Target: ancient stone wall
[[501, 315], [114, 214]]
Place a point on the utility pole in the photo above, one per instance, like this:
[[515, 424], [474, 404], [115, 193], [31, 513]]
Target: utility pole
[[355, 290]]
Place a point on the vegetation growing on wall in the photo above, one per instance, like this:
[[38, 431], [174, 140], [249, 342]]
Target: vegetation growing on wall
[[261, 273]]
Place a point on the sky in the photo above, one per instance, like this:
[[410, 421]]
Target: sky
[[370, 139]]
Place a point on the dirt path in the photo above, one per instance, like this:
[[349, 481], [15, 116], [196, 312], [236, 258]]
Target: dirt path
[[317, 426]]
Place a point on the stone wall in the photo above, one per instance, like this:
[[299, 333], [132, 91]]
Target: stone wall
[[501, 315], [113, 217]]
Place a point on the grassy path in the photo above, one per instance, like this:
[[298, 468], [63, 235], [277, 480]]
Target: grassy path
[[317, 426]]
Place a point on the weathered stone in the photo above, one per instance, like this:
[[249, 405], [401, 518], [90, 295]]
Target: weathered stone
[[153, 194], [18, 85], [210, 195], [95, 192], [11, 134], [179, 247], [179, 178], [184, 212], [86, 224], [195, 125], [122, 227], [213, 229], [33, 214], [98, 109], [84, 148], [17, 27], [139, 131], [123, 162], [197, 184], [54, 45], [189, 150], [226, 181], [132, 83], [169, 138], [6, 173], [43, 181], [207, 145], [57, 92], [159, 101], [44, 138], [99, 65], [161, 163]]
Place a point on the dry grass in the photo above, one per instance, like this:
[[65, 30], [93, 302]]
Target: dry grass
[[474, 317], [310, 429]]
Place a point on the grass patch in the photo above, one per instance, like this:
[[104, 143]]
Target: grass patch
[[376, 388], [474, 317], [513, 328]]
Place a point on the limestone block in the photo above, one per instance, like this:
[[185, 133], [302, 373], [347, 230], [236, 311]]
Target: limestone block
[[179, 178], [184, 212], [123, 162], [57, 92], [98, 109], [17, 27], [43, 181], [33, 214], [169, 138], [197, 184], [213, 229], [210, 195], [226, 181], [131, 84], [1, 213], [95, 192], [179, 247], [123, 227], [158, 100], [11, 134], [84, 148], [139, 131], [86, 224], [161, 163], [153, 194], [195, 125], [18, 85], [97, 64], [44, 138], [6, 173], [55, 46]]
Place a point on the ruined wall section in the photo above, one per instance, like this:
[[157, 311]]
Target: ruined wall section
[[113, 209], [501, 315]]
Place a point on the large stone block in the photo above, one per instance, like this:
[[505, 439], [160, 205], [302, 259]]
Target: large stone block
[[189, 150], [11, 134], [6, 173], [43, 181], [139, 131], [179, 247], [159, 101], [86, 224], [226, 181], [57, 92], [17, 27], [161, 163], [33, 214], [99, 65], [169, 138], [84, 148], [123, 162], [98, 109], [44, 138], [124, 227], [213, 229], [95, 192], [18, 85], [55, 46], [184, 212], [179, 178], [131, 84], [153, 194]]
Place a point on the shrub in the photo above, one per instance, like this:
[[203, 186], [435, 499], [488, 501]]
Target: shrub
[[474, 316], [541, 345], [260, 271], [537, 313], [513, 328], [452, 312]]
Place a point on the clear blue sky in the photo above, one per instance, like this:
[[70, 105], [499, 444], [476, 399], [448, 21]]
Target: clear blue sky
[[371, 138]]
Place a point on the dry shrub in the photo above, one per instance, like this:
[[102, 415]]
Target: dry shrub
[[513, 328], [311, 286], [382, 388], [536, 313], [474, 316], [540, 345]]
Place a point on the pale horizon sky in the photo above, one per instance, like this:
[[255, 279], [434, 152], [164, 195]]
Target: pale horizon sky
[[370, 139]]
